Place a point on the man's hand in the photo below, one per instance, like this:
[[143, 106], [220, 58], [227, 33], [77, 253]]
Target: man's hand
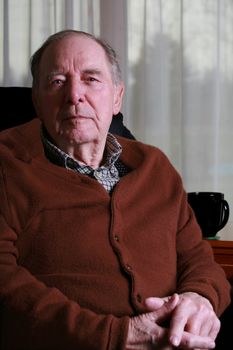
[[146, 332], [194, 315]]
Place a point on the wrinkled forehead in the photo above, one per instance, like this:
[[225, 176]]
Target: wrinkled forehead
[[75, 48]]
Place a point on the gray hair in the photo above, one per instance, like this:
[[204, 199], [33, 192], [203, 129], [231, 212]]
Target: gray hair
[[109, 51]]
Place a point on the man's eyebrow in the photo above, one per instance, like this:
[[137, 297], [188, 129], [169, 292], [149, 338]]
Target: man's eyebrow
[[95, 71], [92, 71]]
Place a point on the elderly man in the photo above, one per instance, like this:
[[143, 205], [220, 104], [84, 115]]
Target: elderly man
[[99, 248]]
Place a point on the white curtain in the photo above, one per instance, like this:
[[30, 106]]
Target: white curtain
[[27, 23], [177, 63]]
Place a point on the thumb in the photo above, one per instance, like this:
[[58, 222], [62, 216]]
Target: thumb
[[163, 312], [154, 303]]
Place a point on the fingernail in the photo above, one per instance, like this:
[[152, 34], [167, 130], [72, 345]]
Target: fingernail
[[174, 340], [172, 297]]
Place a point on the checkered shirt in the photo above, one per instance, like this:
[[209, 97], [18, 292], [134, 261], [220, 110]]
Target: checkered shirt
[[108, 175]]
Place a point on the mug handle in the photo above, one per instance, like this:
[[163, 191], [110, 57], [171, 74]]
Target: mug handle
[[226, 212]]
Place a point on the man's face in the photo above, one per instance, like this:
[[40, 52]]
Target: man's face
[[76, 97]]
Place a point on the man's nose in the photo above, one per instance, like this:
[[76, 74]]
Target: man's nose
[[75, 92]]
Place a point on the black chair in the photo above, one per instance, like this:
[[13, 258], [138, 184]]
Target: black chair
[[18, 108]]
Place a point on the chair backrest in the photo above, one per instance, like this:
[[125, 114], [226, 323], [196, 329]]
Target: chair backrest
[[17, 107]]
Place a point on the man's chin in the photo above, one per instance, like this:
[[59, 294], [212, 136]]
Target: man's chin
[[76, 137]]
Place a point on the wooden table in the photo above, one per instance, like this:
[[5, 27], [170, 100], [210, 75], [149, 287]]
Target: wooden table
[[223, 250], [223, 253]]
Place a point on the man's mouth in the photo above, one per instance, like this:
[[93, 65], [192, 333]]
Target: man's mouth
[[79, 116]]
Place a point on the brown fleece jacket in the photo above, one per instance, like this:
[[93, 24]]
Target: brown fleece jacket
[[76, 263]]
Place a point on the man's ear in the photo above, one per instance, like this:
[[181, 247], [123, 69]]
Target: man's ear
[[118, 97]]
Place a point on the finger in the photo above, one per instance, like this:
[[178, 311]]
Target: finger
[[177, 326], [165, 310], [209, 327], [192, 341], [158, 337], [195, 326], [154, 303], [205, 329], [215, 329]]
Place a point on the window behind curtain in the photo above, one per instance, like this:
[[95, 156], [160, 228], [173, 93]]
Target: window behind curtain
[[26, 24], [180, 86]]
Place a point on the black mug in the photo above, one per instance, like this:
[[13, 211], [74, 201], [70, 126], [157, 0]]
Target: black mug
[[211, 211]]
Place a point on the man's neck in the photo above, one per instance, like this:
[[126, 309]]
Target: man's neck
[[91, 155]]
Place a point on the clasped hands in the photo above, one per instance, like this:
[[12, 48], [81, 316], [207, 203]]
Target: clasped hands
[[193, 324]]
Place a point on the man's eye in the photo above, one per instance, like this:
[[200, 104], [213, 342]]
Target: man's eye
[[91, 79], [57, 82]]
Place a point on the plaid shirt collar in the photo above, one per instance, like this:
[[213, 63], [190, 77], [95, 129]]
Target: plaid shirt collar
[[112, 152]]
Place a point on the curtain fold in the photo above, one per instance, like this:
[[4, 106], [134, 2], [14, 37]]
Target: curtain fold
[[177, 64]]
